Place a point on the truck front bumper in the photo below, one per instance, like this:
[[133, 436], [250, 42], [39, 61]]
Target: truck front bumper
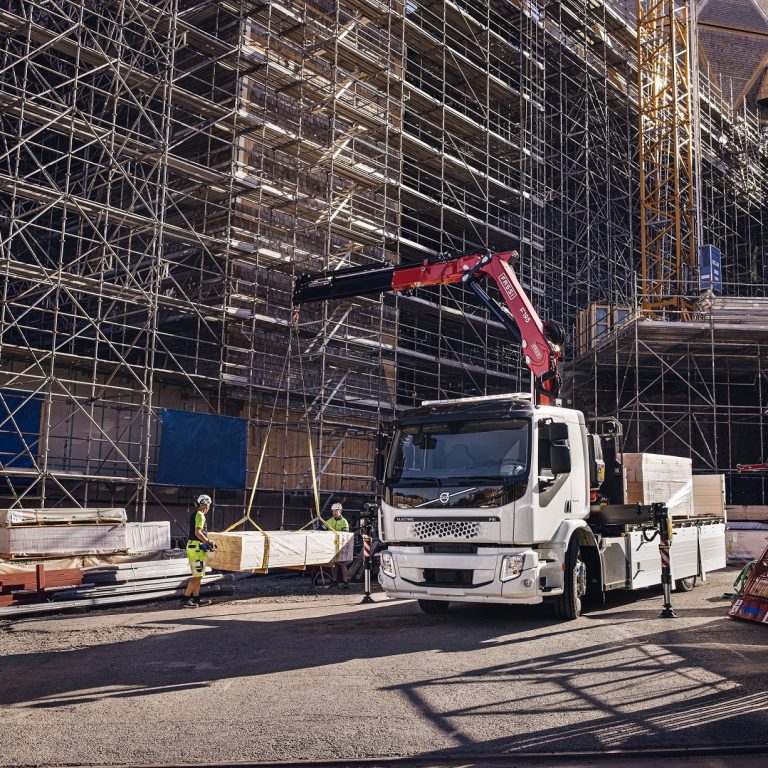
[[474, 578]]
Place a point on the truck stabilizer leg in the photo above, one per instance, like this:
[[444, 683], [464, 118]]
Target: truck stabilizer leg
[[663, 522], [367, 566]]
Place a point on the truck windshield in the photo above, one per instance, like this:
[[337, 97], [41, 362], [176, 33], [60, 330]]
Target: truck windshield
[[490, 451]]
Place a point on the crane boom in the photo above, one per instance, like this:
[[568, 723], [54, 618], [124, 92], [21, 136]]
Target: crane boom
[[540, 341]]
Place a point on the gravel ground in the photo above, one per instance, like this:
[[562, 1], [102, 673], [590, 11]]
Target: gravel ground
[[282, 671]]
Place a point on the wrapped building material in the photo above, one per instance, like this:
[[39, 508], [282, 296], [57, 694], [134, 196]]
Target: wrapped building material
[[745, 541], [147, 537], [70, 540], [62, 540], [709, 495], [111, 515], [652, 479], [256, 550]]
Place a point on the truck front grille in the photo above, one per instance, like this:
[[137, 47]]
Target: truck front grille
[[451, 549], [443, 529], [447, 578]]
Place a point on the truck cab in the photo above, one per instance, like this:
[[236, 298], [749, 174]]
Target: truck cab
[[481, 497]]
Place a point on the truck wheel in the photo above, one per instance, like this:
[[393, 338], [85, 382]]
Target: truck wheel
[[568, 605], [434, 606], [685, 585]]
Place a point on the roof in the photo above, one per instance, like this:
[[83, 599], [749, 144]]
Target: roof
[[743, 14]]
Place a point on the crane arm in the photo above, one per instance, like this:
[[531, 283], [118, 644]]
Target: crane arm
[[540, 341]]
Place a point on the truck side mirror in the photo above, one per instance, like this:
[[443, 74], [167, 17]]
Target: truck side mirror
[[558, 430], [379, 465], [560, 459]]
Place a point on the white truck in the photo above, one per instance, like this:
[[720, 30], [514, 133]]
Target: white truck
[[502, 499], [489, 499]]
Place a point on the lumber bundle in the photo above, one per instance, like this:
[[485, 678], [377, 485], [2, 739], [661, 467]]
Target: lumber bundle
[[41, 533], [653, 479], [258, 550], [13, 517], [111, 584]]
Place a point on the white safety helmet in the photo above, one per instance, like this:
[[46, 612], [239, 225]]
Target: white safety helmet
[[203, 500], [336, 506]]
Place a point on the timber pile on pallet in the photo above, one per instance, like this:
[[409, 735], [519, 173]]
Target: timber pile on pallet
[[110, 584], [26, 533], [51, 559]]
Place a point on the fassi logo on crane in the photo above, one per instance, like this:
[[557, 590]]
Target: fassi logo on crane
[[509, 289]]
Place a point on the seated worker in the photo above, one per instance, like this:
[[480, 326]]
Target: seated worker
[[338, 523], [198, 547]]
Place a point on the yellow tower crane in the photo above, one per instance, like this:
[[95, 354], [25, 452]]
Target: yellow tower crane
[[667, 131]]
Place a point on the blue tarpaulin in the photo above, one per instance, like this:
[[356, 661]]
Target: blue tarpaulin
[[201, 450], [20, 432]]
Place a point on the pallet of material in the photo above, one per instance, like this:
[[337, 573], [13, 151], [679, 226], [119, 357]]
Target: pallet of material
[[111, 515], [753, 513], [652, 479], [83, 539], [709, 495], [148, 537], [258, 551], [744, 541]]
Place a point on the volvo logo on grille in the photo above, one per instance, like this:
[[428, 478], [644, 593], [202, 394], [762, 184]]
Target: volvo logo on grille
[[445, 497]]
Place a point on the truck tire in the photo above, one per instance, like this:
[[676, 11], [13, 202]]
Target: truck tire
[[568, 605], [434, 606], [685, 585]]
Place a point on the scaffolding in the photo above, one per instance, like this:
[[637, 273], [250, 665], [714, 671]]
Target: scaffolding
[[168, 167]]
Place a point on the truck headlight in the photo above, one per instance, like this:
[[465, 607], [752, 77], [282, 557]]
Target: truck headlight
[[387, 564], [511, 567]]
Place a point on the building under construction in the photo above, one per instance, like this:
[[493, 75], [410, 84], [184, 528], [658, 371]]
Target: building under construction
[[168, 167]]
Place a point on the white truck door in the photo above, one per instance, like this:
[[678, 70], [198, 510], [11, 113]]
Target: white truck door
[[553, 494]]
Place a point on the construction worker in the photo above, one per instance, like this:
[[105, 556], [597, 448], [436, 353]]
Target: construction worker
[[338, 523], [198, 547]]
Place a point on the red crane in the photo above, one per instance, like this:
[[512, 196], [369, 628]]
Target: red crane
[[541, 342]]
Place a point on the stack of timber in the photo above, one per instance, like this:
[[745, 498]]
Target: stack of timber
[[56, 558], [109, 584], [69, 532], [260, 550], [652, 479]]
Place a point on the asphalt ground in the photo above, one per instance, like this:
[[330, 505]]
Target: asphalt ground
[[284, 675]]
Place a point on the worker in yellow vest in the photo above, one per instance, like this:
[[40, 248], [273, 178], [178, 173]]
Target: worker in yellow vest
[[198, 547], [338, 523]]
